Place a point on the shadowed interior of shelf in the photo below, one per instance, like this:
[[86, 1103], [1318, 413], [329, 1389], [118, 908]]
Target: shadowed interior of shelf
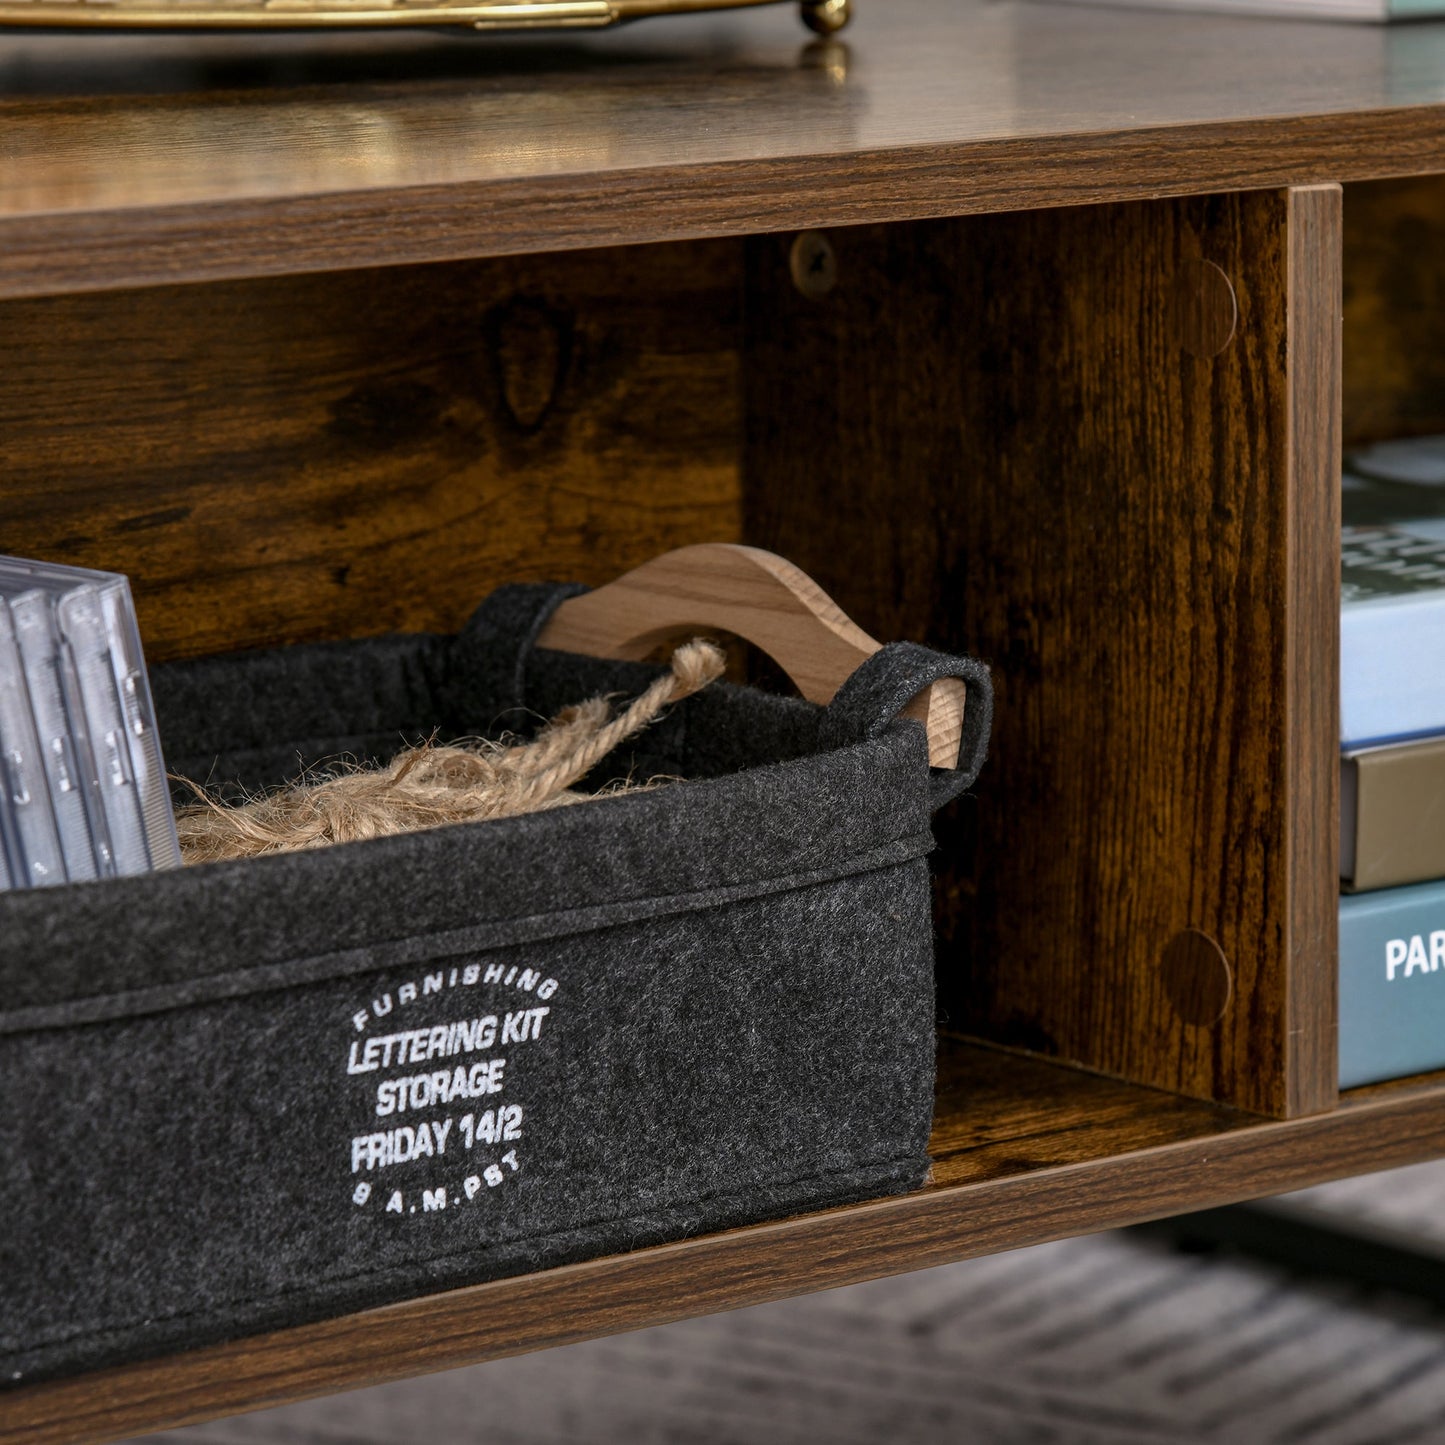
[[1394, 298], [322, 457], [999, 445]]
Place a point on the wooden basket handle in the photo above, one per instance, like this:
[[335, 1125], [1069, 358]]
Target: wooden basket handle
[[754, 595]]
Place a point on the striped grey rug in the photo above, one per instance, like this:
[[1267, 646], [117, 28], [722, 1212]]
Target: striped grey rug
[[1108, 1340]]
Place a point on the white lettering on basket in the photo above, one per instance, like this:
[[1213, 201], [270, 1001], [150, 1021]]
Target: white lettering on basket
[[406, 995], [438, 1119]]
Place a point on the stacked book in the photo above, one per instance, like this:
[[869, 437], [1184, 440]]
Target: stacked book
[[83, 791], [1392, 767]]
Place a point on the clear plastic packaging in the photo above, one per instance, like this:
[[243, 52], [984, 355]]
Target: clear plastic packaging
[[82, 666], [98, 627], [30, 836], [42, 658]]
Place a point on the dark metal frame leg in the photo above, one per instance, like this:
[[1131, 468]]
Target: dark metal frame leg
[[1325, 1244]]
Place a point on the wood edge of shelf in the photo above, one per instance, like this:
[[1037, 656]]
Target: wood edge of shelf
[[1314, 282], [1223, 1162], [55, 252], [1393, 1093]]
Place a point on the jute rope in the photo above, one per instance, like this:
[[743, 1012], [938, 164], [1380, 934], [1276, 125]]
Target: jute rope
[[430, 785]]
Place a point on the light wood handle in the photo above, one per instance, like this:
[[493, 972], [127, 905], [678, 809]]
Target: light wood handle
[[754, 595]]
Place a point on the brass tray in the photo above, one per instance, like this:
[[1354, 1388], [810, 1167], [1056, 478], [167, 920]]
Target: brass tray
[[824, 16]]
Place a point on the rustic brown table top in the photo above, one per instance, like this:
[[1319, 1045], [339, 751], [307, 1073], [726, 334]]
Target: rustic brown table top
[[127, 160]]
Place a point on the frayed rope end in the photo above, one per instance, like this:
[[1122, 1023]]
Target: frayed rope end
[[430, 785]]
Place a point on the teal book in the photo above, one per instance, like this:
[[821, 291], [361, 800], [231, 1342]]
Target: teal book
[[1392, 983]]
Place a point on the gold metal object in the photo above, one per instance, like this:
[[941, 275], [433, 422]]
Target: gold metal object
[[827, 17], [814, 265], [368, 14]]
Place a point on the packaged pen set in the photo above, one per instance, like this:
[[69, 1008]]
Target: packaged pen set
[[83, 791]]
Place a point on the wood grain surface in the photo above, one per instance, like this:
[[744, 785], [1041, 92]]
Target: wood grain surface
[[1114, 1339], [1394, 290], [1024, 1152], [1310, 639], [143, 161], [335, 456], [748, 594], [997, 435]]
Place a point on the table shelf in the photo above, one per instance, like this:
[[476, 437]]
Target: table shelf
[[141, 161], [1107, 236], [1024, 1152]]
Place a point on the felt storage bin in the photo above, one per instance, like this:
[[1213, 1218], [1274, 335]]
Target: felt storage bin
[[249, 1094]]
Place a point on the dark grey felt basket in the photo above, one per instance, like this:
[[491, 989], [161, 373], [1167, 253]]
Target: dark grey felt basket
[[252, 1094]]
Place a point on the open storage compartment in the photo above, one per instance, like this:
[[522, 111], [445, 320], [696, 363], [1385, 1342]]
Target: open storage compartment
[[1094, 446], [1099, 447], [1121, 495]]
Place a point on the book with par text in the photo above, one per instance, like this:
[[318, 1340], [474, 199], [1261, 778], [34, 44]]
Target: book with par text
[[1392, 983]]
